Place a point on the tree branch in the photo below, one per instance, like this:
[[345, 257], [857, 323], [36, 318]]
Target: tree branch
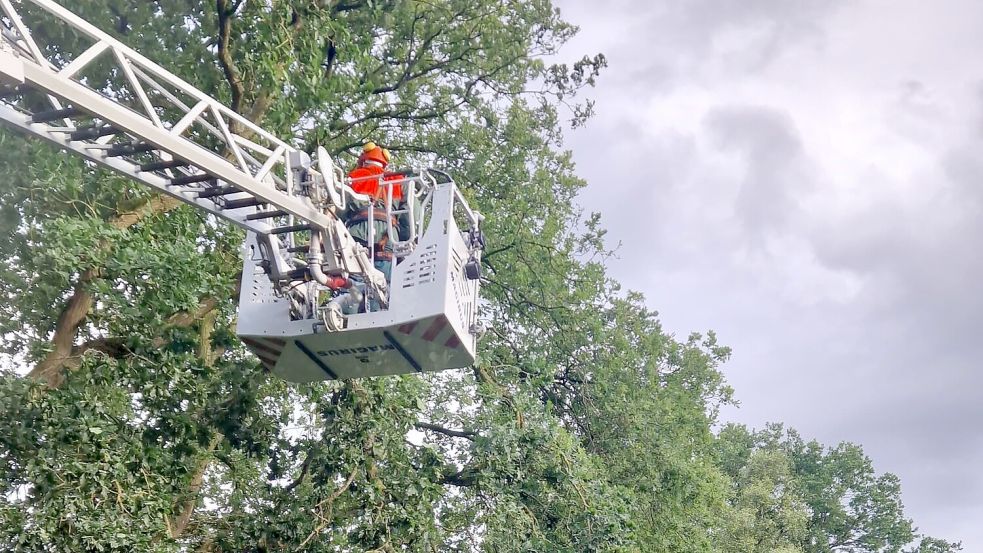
[[72, 315], [80, 303], [187, 507], [329, 503], [464, 478], [116, 347], [305, 468], [330, 54], [225, 13], [341, 7], [467, 434]]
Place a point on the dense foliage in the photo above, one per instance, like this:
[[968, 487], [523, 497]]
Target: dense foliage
[[145, 425]]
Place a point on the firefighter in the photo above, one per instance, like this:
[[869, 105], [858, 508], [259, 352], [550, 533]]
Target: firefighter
[[369, 178]]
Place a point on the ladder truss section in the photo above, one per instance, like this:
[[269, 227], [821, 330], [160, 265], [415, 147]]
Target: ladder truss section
[[120, 110]]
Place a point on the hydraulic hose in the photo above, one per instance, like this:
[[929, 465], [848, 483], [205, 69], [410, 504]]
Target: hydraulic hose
[[333, 282], [314, 260]]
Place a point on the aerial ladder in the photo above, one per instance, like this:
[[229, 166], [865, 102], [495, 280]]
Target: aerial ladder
[[117, 109]]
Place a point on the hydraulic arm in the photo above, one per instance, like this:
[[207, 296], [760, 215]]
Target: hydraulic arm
[[313, 305], [157, 129]]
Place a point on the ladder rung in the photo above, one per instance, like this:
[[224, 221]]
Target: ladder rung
[[54, 114], [129, 149], [189, 179], [218, 191], [244, 202], [92, 132], [300, 249], [297, 274], [291, 228], [265, 215], [165, 164]]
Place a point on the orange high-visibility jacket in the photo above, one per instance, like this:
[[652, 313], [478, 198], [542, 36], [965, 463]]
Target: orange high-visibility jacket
[[365, 180]]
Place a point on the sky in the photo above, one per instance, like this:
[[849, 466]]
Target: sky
[[814, 175]]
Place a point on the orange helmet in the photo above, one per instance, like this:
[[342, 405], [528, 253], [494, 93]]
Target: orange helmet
[[371, 152]]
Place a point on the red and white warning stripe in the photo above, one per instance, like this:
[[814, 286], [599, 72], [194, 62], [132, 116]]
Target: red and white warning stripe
[[267, 349], [432, 332]]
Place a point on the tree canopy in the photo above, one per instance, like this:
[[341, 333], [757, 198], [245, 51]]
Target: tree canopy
[[145, 425]]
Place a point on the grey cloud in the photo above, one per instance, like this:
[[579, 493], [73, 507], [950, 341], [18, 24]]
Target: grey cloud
[[695, 21], [776, 167], [924, 286], [681, 34], [632, 165], [916, 97], [927, 443], [663, 43], [895, 368], [922, 257], [918, 363], [963, 163]]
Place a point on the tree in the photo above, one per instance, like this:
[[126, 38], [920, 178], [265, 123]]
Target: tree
[[123, 302], [850, 508], [145, 425], [768, 512]]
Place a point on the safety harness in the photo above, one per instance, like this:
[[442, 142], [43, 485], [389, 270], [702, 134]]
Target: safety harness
[[378, 214]]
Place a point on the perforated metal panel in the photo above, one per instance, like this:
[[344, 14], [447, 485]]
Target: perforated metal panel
[[427, 326]]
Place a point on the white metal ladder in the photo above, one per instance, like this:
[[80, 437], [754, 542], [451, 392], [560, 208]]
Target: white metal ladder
[[161, 131], [151, 126]]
